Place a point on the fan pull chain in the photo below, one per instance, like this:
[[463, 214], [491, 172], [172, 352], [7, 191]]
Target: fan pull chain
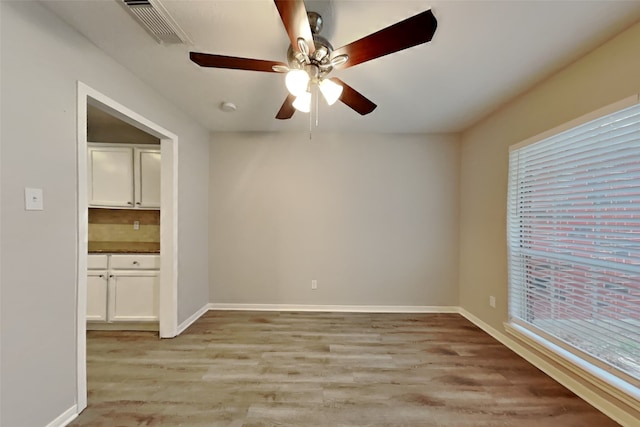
[[317, 105], [311, 118], [313, 110]]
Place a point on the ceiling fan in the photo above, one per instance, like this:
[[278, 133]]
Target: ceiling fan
[[311, 57]]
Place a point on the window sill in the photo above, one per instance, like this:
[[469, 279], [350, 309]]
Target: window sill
[[597, 377]]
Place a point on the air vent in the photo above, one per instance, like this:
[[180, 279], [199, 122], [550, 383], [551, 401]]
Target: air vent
[[157, 21]]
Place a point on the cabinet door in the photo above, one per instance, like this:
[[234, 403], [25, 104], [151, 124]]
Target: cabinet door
[[133, 296], [110, 176], [147, 182], [97, 296]]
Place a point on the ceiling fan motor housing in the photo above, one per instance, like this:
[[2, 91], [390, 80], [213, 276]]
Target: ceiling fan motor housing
[[320, 58]]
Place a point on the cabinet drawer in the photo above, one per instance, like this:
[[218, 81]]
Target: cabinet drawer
[[97, 262], [135, 262]]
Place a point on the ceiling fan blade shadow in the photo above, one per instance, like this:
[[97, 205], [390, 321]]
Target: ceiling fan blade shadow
[[354, 99], [232, 62], [294, 18], [402, 35], [287, 109]]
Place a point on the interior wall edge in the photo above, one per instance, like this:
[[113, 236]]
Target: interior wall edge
[[193, 318], [65, 418]]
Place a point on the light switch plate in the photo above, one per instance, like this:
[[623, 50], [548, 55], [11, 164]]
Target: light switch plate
[[33, 199]]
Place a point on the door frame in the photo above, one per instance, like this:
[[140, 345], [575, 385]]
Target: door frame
[[168, 294]]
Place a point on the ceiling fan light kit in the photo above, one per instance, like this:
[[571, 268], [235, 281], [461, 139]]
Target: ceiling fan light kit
[[311, 57], [299, 80]]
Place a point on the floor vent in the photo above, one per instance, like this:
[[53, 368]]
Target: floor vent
[[157, 21]]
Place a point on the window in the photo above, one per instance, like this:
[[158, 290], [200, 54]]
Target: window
[[574, 240]]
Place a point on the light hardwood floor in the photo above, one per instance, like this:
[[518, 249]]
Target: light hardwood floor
[[322, 369]]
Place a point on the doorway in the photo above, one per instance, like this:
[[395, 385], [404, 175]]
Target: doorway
[[168, 295]]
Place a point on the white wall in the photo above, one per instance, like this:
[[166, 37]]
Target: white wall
[[373, 218], [42, 59]]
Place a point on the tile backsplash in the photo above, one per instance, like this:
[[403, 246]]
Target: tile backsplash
[[117, 225]]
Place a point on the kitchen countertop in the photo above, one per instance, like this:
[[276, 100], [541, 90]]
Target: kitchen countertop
[[124, 247]]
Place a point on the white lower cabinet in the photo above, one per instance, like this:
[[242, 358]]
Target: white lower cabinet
[[97, 296], [123, 288], [133, 296]]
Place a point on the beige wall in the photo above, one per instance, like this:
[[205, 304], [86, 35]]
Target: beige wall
[[608, 74], [373, 218]]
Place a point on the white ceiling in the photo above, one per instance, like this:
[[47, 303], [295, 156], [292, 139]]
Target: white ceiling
[[483, 54]]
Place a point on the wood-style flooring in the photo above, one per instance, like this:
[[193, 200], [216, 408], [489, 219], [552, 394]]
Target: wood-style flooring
[[322, 369]]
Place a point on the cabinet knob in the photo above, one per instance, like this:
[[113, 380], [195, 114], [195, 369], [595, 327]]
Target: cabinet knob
[[137, 203], [111, 276], [130, 203], [136, 263], [101, 276]]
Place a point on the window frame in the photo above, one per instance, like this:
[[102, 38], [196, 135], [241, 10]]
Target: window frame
[[604, 376]]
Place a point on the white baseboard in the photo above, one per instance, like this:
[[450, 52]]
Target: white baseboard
[[336, 308], [65, 418], [195, 316], [123, 326], [592, 394]]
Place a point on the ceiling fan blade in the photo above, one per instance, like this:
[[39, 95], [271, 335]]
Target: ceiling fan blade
[[405, 34], [287, 109], [354, 99], [294, 17], [220, 61]]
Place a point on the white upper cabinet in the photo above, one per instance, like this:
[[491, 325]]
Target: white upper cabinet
[[147, 177], [110, 171], [123, 176]]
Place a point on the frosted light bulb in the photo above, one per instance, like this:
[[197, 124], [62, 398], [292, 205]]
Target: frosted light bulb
[[303, 102], [297, 82]]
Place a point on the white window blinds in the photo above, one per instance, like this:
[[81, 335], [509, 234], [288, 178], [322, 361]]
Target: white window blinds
[[574, 240]]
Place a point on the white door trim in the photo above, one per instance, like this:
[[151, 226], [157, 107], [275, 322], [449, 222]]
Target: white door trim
[[168, 223]]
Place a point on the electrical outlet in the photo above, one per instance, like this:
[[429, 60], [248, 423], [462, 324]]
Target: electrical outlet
[[492, 301], [33, 200], [136, 225], [314, 284]]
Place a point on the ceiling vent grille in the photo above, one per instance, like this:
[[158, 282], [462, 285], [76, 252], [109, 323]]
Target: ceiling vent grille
[[157, 21]]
